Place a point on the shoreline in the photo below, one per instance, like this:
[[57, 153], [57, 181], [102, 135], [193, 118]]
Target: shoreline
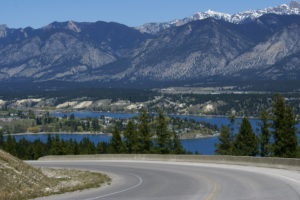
[[59, 133], [99, 134], [199, 137], [167, 114]]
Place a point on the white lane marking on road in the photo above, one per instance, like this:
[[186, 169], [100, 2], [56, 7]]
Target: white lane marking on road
[[117, 192]]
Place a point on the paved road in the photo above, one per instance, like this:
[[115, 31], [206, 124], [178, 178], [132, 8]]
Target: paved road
[[145, 180]]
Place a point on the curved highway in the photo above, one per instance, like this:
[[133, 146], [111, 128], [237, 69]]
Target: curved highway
[[148, 180]]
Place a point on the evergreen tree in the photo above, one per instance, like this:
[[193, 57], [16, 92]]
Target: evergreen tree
[[225, 145], [291, 140], [102, 147], [38, 149], [131, 138], [246, 143], [163, 134], [177, 146], [49, 142], [95, 125], [68, 147], [56, 147], [232, 123], [10, 145], [1, 141], [145, 136], [284, 121], [265, 135], [22, 149], [75, 148], [116, 144], [86, 147]]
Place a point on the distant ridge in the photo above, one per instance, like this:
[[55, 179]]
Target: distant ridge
[[242, 17]]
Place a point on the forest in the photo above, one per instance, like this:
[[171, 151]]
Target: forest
[[136, 138], [277, 137]]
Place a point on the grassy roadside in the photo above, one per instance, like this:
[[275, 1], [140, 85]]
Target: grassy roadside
[[68, 180], [19, 180]]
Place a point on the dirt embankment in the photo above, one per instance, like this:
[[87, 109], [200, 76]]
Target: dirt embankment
[[21, 181]]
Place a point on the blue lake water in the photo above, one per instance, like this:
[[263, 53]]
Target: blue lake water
[[204, 146]]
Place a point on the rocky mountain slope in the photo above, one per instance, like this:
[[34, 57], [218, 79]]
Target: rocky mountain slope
[[61, 50], [112, 54], [214, 49]]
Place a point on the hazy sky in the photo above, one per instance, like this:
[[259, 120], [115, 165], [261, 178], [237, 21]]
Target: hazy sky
[[38, 13]]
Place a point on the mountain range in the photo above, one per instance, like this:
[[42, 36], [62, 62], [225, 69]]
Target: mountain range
[[209, 46], [238, 18]]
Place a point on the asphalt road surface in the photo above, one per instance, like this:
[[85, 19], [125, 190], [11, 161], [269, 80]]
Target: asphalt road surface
[[145, 180]]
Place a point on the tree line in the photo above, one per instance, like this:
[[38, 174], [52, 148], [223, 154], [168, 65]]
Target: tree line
[[277, 137], [145, 135]]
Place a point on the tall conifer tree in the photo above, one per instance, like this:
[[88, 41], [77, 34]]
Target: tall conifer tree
[[284, 121], [10, 145], [131, 138], [246, 142], [225, 145], [144, 132], [265, 135], [1, 140], [116, 141], [163, 134], [177, 146]]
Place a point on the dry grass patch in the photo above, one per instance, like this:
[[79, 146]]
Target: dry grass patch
[[19, 180]]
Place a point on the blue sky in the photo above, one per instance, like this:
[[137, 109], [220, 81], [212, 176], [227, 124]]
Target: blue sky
[[38, 13]]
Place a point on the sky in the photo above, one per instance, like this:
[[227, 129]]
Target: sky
[[38, 13]]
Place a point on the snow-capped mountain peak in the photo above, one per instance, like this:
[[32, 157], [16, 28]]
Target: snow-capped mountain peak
[[242, 17]]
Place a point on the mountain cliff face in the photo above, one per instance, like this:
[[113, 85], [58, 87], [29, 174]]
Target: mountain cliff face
[[265, 48], [62, 50], [208, 48]]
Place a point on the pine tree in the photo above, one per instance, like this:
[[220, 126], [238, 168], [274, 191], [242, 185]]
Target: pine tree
[[10, 145], [102, 147], [144, 133], [246, 143], [131, 138], [285, 138], [177, 146], [265, 135], [76, 150], [49, 143], [95, 125], [232, 123], [116, 144], [38, 150], [291, 140], [1, 141], [22, 149], [163, 134], [87, 147], [56, 147], [225, 145]]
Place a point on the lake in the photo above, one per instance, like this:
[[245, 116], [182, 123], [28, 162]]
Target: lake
[[205, 146]]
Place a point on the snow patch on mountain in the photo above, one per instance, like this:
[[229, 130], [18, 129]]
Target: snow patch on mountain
[[242, 17]]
